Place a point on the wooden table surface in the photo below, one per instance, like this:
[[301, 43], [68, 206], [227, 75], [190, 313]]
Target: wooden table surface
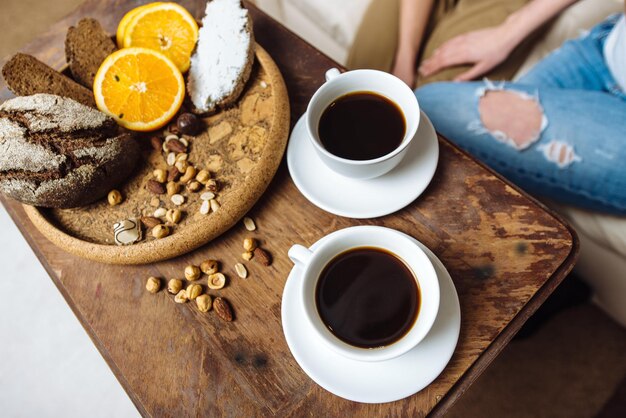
[[505, 251]]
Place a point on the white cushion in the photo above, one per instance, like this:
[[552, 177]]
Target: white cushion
[[339, 19]]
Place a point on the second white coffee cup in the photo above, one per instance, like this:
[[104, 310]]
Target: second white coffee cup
[[339, 84]]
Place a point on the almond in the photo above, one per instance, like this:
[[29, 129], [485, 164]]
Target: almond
[[155, 187], [222, 309], [173, 174], [175, 145], [150, 221], [262, 256]]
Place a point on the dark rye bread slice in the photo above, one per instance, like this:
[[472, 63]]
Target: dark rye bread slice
[[25, 75], [55, 152], [86, 46]]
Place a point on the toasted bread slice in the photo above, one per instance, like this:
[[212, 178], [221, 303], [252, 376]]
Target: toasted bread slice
[[86, 46], [25, 75]]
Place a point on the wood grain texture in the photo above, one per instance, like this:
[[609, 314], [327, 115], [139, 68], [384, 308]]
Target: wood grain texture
[[505, 253]]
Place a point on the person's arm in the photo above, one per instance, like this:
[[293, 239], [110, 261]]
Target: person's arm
[[413, 19], [488, 47]]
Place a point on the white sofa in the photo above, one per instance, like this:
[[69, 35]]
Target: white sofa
[[336, 27]]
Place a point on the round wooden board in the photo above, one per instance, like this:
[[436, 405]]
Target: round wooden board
[[241, 146]]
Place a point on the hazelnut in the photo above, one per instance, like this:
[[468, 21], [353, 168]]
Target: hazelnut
[[216, 281], [212, 185], [160, 231], [193, 291], [190, 174], [247, 255], [209, 267], [172, 188], [188, 124], [203, 176], [173, 215], [160, 175], [174, 286], [249, 244], [192, 272], [153, 285], [181, 297], [204, 303], [114, 197], [181, 156], [194, 186], [181, 166]]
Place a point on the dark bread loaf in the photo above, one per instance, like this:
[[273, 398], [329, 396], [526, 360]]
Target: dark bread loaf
[[55, 152], [26, 75], [86, 46]]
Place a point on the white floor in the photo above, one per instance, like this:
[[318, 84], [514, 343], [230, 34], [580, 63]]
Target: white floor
[[48, 365]]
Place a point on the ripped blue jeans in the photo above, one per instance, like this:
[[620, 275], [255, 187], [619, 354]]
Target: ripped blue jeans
[[578, 155]]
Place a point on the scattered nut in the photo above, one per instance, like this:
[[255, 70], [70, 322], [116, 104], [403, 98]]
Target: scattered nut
[[192, 272], [188, 124], [193, 291], [209, 267], [223, 309], [172, 188], [160, 212], [241, 270], [160, 175], [150, 221], [194, 186], [212, 185], [173, 129], [263, 84], [207, 196], [216, 281], [173, 216], [153, 284], [182, 156], [155, 202], [181, 166], [171, 159], [249, 224], [184, 141], [203, 176], [181, 297], [204, 303], [262, 256], [190, 173], [173, 174], [177, 199], [114, 197], [247, 255], [249, 244], [156, 143], [155, 187], [160, 231], [215, 205], [173, 144], [205, 207], [174, 286]]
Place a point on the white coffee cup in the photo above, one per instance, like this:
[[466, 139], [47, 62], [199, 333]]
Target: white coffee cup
[[312, 264], [338, 84]]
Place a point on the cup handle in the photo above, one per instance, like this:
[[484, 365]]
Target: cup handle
[[332, 73], [300, 255]]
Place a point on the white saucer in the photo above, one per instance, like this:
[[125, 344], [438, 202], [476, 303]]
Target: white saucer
[[362, 199], [373, 382]]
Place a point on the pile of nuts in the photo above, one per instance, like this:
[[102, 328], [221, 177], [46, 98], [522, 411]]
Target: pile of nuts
[[215, 279], [180, 174]]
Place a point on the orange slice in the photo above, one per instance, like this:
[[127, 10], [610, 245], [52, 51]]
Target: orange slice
[[164, 27], [121, 28], [140, 88]]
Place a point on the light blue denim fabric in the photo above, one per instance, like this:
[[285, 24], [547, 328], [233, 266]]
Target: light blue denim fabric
[[585, 115]]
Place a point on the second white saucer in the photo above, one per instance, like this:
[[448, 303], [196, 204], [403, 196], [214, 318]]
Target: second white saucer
[[363, 199]]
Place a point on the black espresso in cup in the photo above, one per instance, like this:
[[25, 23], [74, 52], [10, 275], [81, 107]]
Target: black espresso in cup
[[367, 297], [361, 125]]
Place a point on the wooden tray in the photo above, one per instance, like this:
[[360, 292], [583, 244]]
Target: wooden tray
[[242, 147]]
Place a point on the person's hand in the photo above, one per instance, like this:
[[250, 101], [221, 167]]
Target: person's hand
[[483, 48], [404, 67]]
